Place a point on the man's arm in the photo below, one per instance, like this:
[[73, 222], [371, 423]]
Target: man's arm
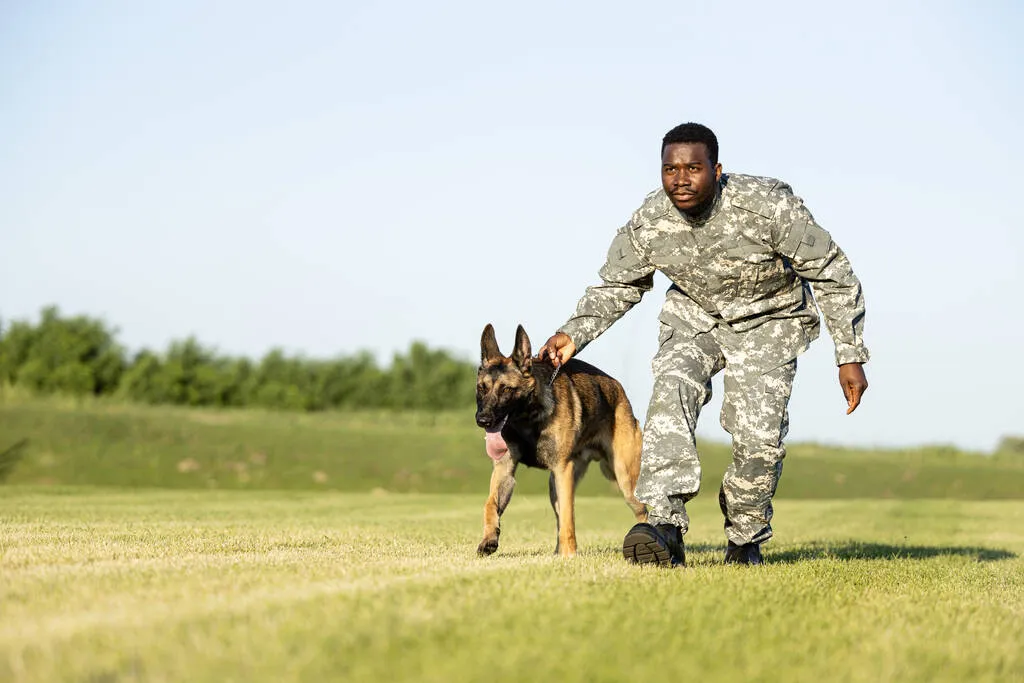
[[816, 258], [625, 277]]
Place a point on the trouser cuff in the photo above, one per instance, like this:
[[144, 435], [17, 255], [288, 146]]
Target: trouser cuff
[[656, 517], [736, 534]]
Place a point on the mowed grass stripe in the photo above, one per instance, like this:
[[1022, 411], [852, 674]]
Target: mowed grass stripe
[[222, 599], [264, 586]]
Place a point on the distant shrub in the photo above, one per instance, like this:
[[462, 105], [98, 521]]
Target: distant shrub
[[1011, 445], [79, 355], [76, 355]]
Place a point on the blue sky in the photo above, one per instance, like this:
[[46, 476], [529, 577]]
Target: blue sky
[[330, 177]]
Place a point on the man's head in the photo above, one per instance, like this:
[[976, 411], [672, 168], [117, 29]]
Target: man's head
[[689, 167]]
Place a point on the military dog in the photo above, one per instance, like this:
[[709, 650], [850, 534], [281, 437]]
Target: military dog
[[559, 421]]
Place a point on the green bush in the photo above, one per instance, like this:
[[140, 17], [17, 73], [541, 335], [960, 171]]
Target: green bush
[[75, 355], [79, 356], [1011, 445]]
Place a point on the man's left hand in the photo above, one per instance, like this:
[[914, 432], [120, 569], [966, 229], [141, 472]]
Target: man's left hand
[[854, 384]]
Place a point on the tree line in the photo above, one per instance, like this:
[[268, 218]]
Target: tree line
[[80, 355]]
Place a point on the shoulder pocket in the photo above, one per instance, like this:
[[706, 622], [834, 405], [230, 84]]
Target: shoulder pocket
[[807, 241], [814, 244], [623, 262]]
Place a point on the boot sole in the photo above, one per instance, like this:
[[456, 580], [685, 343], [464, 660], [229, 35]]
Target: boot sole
[[643, 547]]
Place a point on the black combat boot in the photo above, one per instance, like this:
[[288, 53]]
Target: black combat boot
[[748, 553], [661, 545]]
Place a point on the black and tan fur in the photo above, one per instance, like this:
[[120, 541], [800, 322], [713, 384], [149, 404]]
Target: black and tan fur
[[561, 426]]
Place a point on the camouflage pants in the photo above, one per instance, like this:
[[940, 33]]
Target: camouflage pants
[[754, 412]]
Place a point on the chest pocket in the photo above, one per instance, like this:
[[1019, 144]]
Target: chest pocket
[[758, 270], [670, 249]]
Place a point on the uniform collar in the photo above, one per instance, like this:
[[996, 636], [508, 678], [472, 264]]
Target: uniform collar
[[712, 211], [659, 205]]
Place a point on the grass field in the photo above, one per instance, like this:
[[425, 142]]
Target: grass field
[[103, 585], [164, 544], [106, 444]]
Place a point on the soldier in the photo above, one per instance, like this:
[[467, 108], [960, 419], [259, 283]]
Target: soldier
[[744, 255]]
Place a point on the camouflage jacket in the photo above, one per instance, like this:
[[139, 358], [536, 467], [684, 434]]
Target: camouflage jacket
[[756, 258]]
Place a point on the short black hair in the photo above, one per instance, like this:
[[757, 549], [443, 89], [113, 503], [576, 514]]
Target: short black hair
[[693, 132]]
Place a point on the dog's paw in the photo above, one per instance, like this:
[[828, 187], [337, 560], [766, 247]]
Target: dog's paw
[[487, 546]]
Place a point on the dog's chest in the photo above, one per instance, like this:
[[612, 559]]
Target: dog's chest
[[524, 449]]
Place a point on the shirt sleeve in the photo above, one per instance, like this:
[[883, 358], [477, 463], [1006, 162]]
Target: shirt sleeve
[[817, 259], [625, 277]]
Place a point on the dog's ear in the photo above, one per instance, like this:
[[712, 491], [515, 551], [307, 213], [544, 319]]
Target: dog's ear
[[522, 355], [489, 346]]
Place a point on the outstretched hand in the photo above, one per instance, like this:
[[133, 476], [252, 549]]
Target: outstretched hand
[[558, 349], [854, 384]]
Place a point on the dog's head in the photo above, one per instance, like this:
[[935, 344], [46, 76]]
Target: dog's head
[[503, 384]]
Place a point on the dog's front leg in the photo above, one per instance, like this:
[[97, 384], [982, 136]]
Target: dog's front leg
[[565, 490], [502, 482]]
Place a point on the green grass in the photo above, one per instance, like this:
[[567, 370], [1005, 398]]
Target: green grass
[[115, 585], [107, 444]]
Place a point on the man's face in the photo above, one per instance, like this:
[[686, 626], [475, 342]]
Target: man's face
[[688, 177]]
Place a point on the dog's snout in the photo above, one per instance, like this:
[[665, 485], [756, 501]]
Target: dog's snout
[[484, 421]]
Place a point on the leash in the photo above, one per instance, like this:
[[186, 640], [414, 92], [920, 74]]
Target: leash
[[554, 375]]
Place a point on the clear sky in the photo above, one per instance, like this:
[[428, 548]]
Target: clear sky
[[330, 177]]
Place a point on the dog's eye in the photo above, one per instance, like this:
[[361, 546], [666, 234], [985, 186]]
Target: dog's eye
[[506, 391]]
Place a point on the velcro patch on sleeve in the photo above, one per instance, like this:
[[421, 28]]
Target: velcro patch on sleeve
[[623, 263], [814, 244]]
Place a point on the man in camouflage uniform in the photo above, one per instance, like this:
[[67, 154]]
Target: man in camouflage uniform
[[744, 255]]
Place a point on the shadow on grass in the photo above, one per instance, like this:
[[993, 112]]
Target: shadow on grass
[[852, 550]]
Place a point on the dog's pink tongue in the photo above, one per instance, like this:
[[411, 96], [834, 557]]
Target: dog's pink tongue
[[496, 446]]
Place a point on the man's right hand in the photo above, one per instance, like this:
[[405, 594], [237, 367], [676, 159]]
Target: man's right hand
[[558, 349]]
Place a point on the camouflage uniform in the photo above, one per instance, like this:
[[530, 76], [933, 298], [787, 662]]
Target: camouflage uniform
[[740, 301]]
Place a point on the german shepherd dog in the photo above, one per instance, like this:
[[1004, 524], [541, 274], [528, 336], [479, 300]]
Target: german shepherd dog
[[559, 421]]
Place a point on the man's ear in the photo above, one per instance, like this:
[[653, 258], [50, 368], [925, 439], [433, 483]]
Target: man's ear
[[522, 352], [489, 346]]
